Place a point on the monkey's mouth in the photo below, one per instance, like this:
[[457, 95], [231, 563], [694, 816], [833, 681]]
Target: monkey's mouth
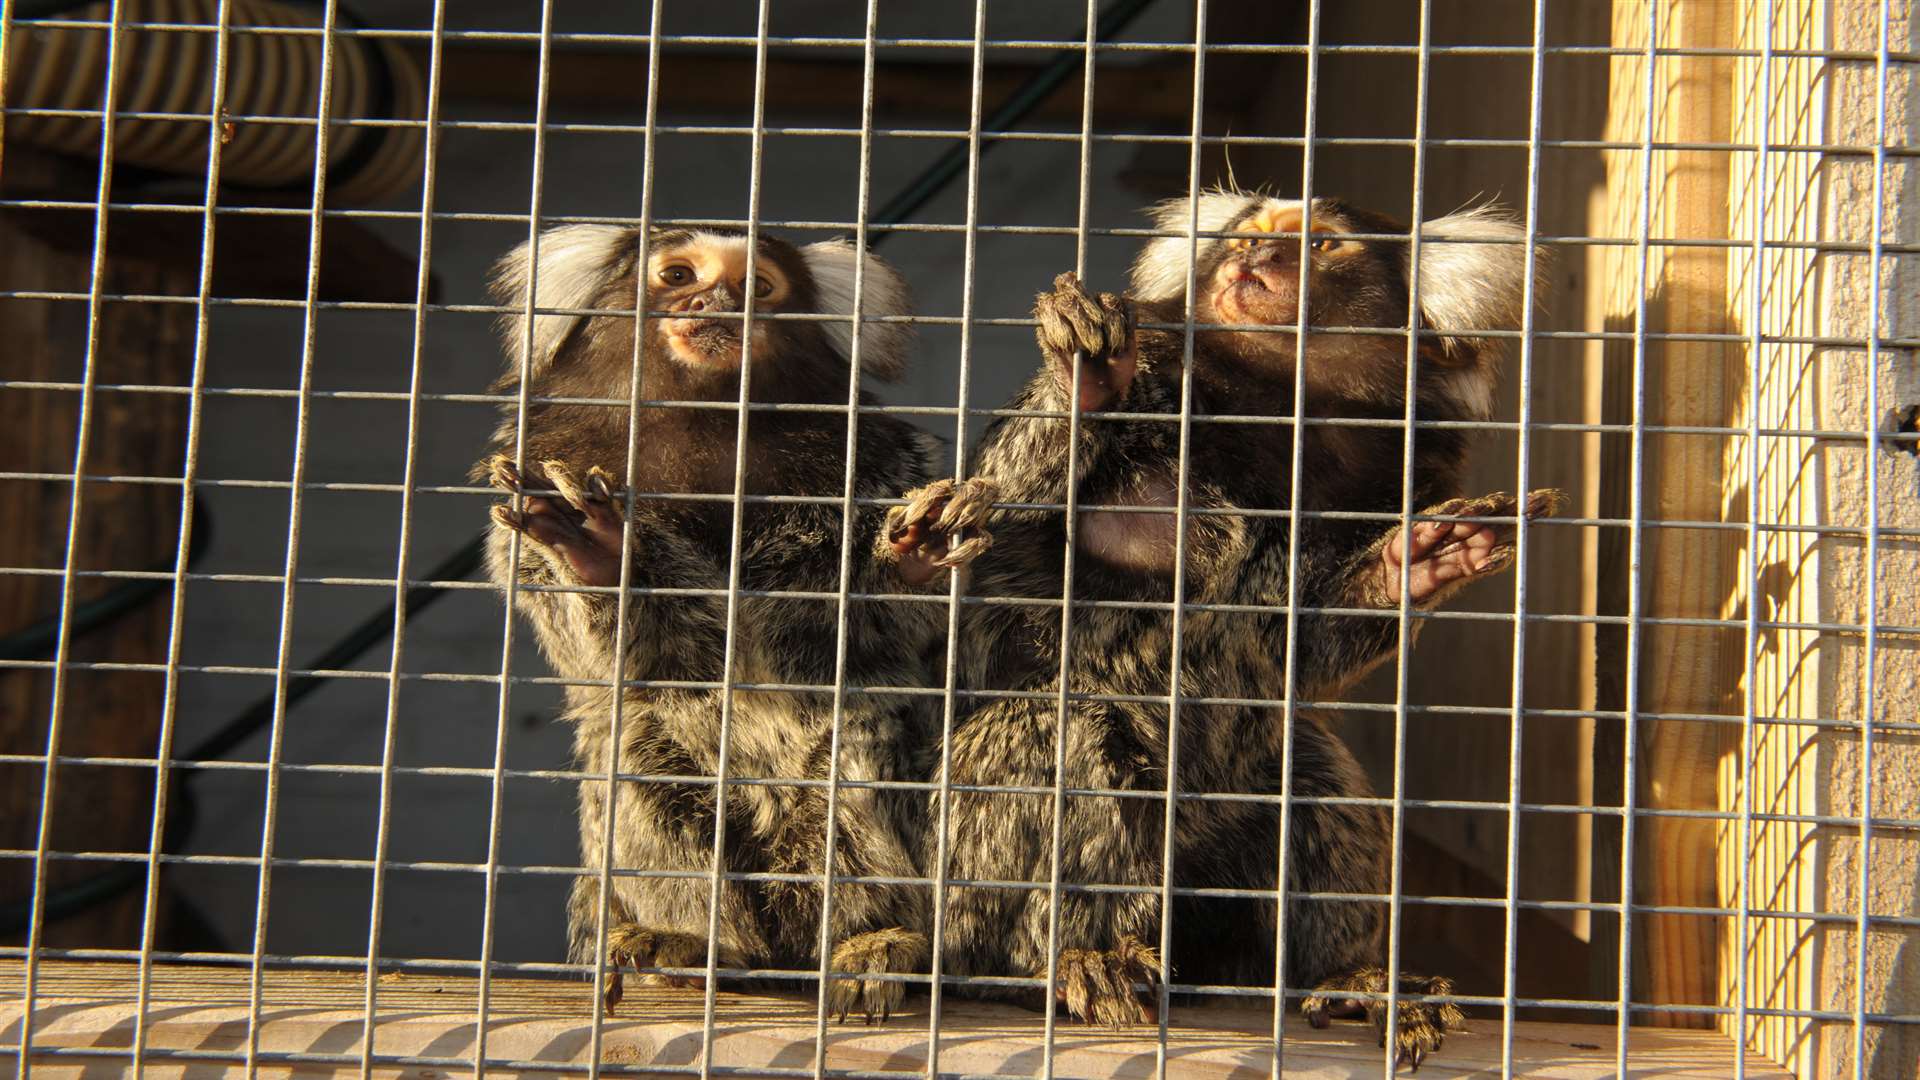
[[1256, 292], [703, 340]]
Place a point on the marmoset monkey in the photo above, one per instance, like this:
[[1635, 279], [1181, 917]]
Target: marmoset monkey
[[1237, 551], [681, 541]]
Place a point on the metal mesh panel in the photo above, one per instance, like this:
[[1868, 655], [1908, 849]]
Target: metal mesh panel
[[333, 391]]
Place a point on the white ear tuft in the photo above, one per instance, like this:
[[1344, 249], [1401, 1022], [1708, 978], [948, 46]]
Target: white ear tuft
[[1160, 272], [576, 262], [884, 347], [1478, 285]]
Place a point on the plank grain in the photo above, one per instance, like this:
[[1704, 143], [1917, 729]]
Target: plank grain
[[312, 1023]]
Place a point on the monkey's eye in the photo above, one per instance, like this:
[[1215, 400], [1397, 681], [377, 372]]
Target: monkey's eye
[[762, 287], [1326, 244], [677, 275]]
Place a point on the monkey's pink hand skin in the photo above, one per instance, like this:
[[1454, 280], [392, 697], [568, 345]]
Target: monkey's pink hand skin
[[942, 527], [1099, 329], [583, 526], [1445, 554]]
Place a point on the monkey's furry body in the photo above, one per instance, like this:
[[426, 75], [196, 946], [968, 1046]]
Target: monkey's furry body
[[1234, 555], [685, 543]]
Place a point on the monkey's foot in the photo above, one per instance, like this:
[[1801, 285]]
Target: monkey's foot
[[1097, 986], [1446, 554], [880, 952], [943, 526], [1098, 328], [636, 946], [583, 526], [1423, 1025]]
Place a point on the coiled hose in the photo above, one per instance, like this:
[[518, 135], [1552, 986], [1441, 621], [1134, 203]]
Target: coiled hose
[[165, 82]]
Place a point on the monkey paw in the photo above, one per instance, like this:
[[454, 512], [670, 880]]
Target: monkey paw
[[1423, 1025], [880, 952], [1098, 987], [635, 946], [1447, 554], [583, 526], [943, 526], [1100, 328]]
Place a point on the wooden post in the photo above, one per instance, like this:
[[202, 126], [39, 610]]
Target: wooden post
[[1684, 571], [122, 527]]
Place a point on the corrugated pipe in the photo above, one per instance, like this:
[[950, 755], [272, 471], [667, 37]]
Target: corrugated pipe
[[269, 77]]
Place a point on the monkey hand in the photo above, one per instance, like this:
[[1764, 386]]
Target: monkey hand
[[943, 526], [880, 952], [582, 527], [1441, 556], [1098, 330], [1098, 986], [1423, 1025]]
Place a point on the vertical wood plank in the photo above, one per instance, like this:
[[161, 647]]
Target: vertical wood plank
[[1681, 670], [125, 527], [1781, 100]]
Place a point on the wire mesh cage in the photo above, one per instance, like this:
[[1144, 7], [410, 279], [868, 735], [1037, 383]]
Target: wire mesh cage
[[1433, 589]]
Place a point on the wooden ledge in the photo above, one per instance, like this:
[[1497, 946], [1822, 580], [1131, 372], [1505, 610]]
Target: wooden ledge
[[312, 1025]]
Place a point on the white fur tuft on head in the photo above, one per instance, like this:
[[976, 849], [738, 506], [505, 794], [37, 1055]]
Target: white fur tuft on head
[[1160, 273], [575, 263], [884, 347], [1469, 287], [1479, 284]]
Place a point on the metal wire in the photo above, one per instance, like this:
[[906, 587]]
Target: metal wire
[[57, 714], [1869, 703], [170, 693], [1290, 662], [959, 153], [423, 282], [1636, 492], [1523, 483], [1759, 193], [1182, 480], [965, 44], [622, 628], [847, 519], [284, 638]]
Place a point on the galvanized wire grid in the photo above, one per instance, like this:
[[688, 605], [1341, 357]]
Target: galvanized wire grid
[[954, 699]]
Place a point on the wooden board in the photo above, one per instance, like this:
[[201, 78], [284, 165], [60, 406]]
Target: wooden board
[[1684, 571], [1773, 960], [312, 1024], [122, 527]]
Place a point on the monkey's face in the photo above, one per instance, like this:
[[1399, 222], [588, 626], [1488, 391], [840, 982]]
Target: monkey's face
[[1255, 281], [707, 275]]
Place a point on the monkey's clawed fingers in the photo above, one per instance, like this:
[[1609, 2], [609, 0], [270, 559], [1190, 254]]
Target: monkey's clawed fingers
[[1098, 328], [1074, 320], [1422, 1025], [635, 946], [1439, 555], [943, 526], [880, 952], [1098, 986], [584, 525]]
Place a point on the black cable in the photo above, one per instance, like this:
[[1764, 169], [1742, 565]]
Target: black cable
[[37, 641], [922, 188], [1021, 102], [362, 637], [97, 888]]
